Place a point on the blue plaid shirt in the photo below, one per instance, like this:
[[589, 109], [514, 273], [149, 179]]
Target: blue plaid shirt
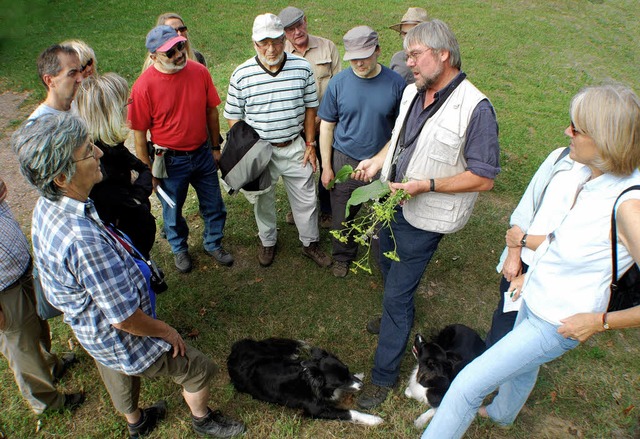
[[14, 249], [94, 281]]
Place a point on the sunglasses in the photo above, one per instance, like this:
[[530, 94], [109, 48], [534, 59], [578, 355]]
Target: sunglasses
[[178, 47], [88, 64], [574, 131], [180, 29]]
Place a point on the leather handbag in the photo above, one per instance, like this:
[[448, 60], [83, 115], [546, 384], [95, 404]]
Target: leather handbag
[[625, 291]]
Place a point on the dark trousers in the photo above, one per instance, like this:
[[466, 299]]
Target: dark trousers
[[502, 322]]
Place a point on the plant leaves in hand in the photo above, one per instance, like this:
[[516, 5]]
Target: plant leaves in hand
[[373, 191], [343, 175]]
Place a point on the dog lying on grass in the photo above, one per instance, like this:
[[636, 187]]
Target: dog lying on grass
[[439, 361], [296, 375]]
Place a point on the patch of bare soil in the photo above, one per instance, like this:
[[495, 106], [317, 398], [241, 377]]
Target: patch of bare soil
[[22, 196]]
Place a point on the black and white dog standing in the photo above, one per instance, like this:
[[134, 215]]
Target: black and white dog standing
[[439, 361], [296, 375]]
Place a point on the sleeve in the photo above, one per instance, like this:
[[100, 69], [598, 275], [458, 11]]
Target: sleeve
[[336, 64], [482, 150], [522, 216], [139, 112], [234, 107], [310, 90], [213, 99], [107, 281], [329, 106]]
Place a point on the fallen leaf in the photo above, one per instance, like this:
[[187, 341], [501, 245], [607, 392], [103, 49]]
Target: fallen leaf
[[628, 410], [202, 311], [193, 334], [553, 395]]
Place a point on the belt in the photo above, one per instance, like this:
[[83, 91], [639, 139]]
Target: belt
[[283, 144], [175, 152]]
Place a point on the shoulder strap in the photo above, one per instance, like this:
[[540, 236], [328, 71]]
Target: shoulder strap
[[614, 236], [562, 155]]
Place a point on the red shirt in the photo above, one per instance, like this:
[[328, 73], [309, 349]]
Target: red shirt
[[174, 106]]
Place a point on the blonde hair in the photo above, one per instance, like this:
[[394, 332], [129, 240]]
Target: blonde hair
[[101, 101], [85, 53], [162, 18], [610, 115]]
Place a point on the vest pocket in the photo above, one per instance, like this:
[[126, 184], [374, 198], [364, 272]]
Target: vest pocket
[[445, 147]]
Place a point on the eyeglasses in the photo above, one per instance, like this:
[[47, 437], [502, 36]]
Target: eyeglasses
[[88, 64], [90, 156], [416, 54], [129, 102], [178, 47], [574, 131], [180, 29], [270, 42]]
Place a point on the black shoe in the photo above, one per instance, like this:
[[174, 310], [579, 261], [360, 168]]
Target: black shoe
[[216, 425], [148, 420], [68, 360], [222, 256], [372, 396], [73, 400], [373, 325]]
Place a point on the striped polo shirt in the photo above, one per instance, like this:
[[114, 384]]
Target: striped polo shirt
[[273, 103]]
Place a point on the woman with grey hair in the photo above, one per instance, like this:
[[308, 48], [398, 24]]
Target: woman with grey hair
[[122, 198], [566, 290]]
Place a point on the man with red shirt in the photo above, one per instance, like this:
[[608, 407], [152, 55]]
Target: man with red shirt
[[176, 101]]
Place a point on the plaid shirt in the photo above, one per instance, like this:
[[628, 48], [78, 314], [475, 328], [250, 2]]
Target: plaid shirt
[[14, 249], [94, 281]]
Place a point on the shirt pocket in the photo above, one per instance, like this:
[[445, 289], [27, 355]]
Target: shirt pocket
[[446, 146], [323, 69]]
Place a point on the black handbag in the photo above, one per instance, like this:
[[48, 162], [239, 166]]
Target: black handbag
[[625, 292]]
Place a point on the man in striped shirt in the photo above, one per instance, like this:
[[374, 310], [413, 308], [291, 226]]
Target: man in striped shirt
[[275, 93]]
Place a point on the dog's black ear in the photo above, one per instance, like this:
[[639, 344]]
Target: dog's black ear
[[454, 357], [313, 376], [317, 353]]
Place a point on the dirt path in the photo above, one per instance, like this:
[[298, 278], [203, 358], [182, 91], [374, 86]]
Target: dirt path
[[22, 196]]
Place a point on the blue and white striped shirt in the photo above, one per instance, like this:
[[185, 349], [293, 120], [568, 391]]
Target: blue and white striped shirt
[[273, 104], [14, 248], [92, 279]]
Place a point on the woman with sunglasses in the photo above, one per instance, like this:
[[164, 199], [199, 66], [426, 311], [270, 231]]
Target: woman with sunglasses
[[122, 197], [177, 23], [566, 290], [88, 61]]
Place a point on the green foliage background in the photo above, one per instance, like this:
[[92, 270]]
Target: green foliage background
[[529, 57]]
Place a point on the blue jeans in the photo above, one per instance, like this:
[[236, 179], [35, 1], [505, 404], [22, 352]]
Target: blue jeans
[[512, 364], [401, 279], [199, 170]]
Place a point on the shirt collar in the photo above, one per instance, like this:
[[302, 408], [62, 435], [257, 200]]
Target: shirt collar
[[78, 208]]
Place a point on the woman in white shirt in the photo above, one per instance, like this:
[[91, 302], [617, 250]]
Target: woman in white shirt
[[566, 290]]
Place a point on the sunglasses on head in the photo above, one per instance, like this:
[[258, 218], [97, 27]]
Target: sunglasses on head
[[88, 64], [178, 47]]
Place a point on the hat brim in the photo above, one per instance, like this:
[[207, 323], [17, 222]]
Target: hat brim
[[259, 36], [398, 27], [169, 44], [359, 54]]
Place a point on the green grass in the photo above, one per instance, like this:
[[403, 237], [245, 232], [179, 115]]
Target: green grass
[[528, 57]]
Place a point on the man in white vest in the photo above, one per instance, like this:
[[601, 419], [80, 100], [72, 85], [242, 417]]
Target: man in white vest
[[444, 150]]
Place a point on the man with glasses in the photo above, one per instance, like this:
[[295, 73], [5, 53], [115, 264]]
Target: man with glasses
[[275, 93], [358, 113], [175, 100], [324, 58], [444, 150], [60, 71]]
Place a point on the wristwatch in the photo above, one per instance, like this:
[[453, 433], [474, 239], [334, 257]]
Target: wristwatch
[[523, 241]]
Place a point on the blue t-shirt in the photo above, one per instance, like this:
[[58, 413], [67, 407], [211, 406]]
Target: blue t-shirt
[[364, 111]]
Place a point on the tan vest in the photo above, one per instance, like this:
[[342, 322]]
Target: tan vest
[[438, 153]]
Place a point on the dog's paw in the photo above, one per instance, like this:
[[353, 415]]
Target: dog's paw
[[424, 418], [359, 375], [408, 393], [364, 418]]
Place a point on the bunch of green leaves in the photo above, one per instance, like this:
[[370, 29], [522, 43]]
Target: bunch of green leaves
[[378, 210]]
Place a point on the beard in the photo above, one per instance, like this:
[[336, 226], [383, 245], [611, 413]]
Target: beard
[[424, 83], [172, 67], [271, 63]]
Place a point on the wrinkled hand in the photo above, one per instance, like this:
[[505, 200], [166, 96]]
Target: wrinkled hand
[[413, 187], [516, 286], [327, 176], [216, 156], [581, 326], [172, 337], [310, 157], [512, 266], [366, 170], [514, 236]]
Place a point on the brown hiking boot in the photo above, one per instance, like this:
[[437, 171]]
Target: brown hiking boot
[[319, 257], [340, 268], [266, 255]]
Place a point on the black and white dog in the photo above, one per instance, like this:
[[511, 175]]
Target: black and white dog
[[439, 361], [296, 375]]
